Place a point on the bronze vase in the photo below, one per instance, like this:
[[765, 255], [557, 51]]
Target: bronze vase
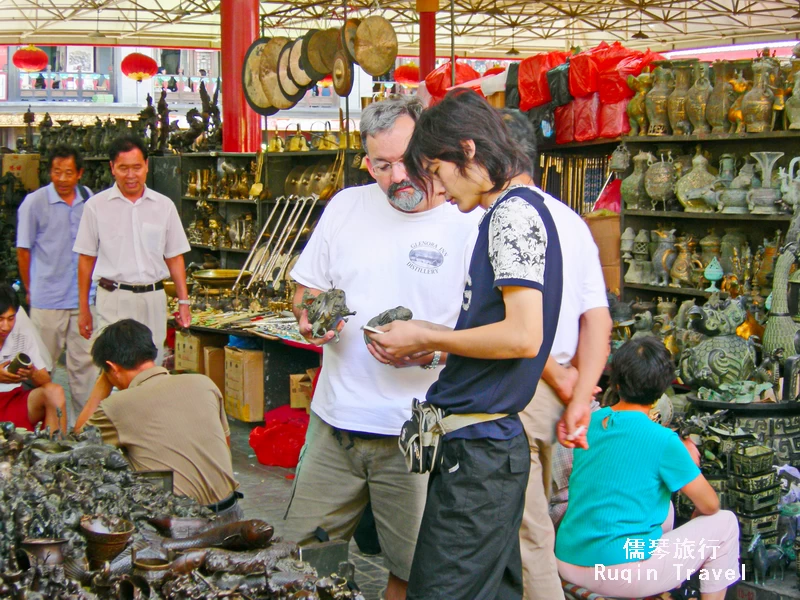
[[656, 103], [676, 103], [758, 102], [721, 99], [697, 98]]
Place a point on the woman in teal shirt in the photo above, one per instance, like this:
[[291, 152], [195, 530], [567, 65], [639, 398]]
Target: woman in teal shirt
[[616, 538]]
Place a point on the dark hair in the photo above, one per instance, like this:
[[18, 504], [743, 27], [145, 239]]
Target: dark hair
[[126, 343], [125, 143], [64, 151], [521, 131], [641, 370], [8, 298], [443, 129]]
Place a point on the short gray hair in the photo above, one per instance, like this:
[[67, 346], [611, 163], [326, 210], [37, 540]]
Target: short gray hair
[[381, 116]]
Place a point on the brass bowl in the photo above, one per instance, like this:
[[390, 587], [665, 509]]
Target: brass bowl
[[47, 551], [219, 278], [105, 538], [169, 288]]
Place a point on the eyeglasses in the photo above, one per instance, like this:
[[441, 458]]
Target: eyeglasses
[[386, 167]]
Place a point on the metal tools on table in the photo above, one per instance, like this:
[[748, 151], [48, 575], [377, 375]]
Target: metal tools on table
[[269, 258], [575, 180]]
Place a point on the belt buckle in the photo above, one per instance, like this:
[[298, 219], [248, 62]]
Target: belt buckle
[[139, 288]]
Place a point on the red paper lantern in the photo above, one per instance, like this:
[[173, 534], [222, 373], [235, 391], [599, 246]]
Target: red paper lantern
[[30, 59], [137, 66], [407, 74], [494, 71]]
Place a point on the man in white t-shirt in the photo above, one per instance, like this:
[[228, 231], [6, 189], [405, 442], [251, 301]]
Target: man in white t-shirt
[[577, 358], [46, 402], [384, 245]]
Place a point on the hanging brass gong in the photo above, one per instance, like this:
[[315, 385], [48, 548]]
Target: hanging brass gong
[[342, 74], [253, 91], [349, 37], [304, 188], [288, 88], [296, 72], [321, 49], [305, 56], [268, 73], [292, 183], [375, 45]]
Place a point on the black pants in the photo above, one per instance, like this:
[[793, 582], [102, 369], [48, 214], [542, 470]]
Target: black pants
[[468, 545]]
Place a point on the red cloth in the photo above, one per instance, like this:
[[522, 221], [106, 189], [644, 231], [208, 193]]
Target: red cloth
[[14, 407]]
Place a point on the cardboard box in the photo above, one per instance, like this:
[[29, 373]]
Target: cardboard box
[[189, 350], [244, 384], [214, 365], [605, 231], [300, 389], [25, 167]]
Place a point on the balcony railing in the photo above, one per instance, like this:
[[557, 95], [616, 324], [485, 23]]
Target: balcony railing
[[65, 86]]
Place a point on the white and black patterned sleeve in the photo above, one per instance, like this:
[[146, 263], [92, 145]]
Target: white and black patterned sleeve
[[517, 244]]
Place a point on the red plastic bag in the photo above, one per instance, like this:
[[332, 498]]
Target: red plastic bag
[[614, 81], [438, 80], [583, 71], [611, 197], [279, 442], [614, 119], [565, 123], [532, 78], [586, 117]]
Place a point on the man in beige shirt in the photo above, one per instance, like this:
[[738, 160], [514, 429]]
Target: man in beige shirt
[[162, 421]]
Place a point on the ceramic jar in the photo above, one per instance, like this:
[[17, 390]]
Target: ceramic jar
[[632, 188], [676, 103], [732, 247], [720, 99], [792, 109], [659, 180], [758, 102], [626, 242], [690, 187], [697, 99], [656, 103]]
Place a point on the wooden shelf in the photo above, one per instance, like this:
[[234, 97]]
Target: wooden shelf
[[714, 216], [313, 153], [230, 200], [693, 138], [667, 290], [234, 250], [96, 158], [216, 154]]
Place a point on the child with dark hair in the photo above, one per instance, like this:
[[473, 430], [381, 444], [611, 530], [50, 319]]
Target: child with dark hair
[[26, 407], [616, 538]]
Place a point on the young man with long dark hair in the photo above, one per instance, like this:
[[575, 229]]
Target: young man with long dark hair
[[469, 540]]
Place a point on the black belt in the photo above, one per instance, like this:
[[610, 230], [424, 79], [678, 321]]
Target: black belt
[[143, 288], [226, 503]]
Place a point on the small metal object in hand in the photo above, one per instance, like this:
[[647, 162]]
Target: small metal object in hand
[[20, 361], [371, 329]]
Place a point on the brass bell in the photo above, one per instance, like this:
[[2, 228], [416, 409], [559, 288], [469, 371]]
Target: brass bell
[[298, 142], [276, 143], [351, 135]]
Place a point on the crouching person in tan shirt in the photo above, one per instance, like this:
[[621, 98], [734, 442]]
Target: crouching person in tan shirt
[[162, 421]]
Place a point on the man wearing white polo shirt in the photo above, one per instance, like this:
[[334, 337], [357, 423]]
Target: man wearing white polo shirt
[[132, 239]]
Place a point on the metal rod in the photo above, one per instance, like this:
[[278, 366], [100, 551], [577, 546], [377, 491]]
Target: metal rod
[[256, 242], [282, 272], [267, 244], [452, 42], [284, 235]]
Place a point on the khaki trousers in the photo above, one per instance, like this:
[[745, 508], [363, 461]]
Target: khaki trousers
[[536, 534], [149, 308], [59, 331]]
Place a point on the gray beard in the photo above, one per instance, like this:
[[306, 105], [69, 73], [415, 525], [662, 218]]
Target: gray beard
[[405, 202]]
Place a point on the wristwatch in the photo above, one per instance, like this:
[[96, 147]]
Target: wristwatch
[[437, 356], [186, 302]]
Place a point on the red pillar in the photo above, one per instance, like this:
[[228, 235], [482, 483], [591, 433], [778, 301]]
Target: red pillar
[[427, 36], [241, 126]]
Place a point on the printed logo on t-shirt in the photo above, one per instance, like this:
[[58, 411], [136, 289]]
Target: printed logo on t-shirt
[[467, 294], [426, 257]]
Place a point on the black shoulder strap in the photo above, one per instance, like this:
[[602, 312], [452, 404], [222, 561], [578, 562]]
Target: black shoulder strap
[[84, 192]]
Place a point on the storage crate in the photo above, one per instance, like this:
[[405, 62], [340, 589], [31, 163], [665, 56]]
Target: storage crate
[[764, 523], [751, 502], [751, 484], [751, 459]]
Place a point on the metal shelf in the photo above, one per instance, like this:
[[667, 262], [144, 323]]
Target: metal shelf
[[672, 214], [234, 250], [667, 290], [229, 200]]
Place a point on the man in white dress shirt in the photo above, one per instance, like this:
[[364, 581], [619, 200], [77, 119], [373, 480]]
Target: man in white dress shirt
[[132, 239]]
